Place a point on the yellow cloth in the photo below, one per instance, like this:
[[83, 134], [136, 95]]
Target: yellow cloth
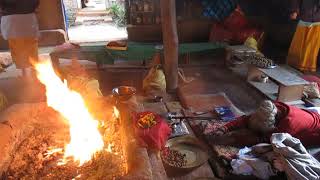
[[305, 46], [23, 51]]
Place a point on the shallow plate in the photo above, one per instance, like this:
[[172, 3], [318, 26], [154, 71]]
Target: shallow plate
[[124, 93], [196, 153]]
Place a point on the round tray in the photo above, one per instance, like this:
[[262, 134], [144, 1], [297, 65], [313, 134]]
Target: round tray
[[124, 93], [196, 152]]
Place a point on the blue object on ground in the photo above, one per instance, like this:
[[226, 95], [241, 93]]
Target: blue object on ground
[[225, 113]]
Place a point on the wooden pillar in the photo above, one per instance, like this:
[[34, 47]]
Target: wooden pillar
[[170, 42]]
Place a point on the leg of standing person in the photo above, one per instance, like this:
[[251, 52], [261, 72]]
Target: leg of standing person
[[310, 51], [83, 4], [24, 52]]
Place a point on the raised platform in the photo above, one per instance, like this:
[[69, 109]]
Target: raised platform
[[282, 84]]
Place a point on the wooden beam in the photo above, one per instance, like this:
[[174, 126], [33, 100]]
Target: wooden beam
[[170, 42]]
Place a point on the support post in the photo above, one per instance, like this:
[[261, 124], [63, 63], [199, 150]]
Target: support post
[[170, 42]]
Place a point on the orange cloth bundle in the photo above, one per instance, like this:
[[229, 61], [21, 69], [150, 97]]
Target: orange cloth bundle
[[151, 129], [117, 45]]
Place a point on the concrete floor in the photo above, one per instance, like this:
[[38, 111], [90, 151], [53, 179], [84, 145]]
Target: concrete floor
[[96, 32], [94, 24], [212, 79], [17, 90], [209, 73]]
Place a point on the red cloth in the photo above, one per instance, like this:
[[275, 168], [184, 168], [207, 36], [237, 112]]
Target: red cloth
[[237, 19], [234, 29], [312, 78], [154, 137], [301, 124]]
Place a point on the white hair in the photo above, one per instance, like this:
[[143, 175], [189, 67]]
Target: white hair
[[264, 118]]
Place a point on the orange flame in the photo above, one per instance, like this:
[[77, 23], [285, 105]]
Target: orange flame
[[116, 112], [86, 139]]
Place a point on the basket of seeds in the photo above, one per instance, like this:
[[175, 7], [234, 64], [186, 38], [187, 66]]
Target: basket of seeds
[[258, 61], [184, 152]]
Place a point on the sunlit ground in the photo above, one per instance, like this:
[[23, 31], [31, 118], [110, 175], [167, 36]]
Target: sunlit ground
[[99, 32]]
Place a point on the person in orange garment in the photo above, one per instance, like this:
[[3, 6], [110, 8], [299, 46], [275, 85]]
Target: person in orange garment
[[304, 48], [278, 117], [19, 25]]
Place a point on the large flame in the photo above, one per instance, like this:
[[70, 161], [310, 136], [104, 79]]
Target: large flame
[[85, 139]]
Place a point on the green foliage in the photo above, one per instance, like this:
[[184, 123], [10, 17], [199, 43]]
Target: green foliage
[[118, 13]]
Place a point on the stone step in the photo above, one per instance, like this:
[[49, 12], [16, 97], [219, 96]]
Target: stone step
[[93, 20], [89, 12]]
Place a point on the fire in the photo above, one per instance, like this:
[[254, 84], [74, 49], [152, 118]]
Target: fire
[[109, 149], [85, 138], [116, 112]]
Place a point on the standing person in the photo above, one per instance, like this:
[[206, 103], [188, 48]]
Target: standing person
[[83, 3], [305, 45], [19, 26]]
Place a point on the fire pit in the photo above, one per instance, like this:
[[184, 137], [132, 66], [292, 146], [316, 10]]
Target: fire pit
[[67, 138], [39, 154]]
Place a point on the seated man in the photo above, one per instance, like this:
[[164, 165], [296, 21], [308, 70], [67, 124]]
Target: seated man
[[278, 118]]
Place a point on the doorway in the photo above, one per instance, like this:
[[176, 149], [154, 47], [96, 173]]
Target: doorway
[[94, 20]]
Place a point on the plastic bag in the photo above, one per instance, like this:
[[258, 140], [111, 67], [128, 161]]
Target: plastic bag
[[155, 80], [251, 42]]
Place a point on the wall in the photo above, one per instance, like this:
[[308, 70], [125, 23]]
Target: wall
[[191, 25], [50, 15], [71, 7], [188, 31]]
